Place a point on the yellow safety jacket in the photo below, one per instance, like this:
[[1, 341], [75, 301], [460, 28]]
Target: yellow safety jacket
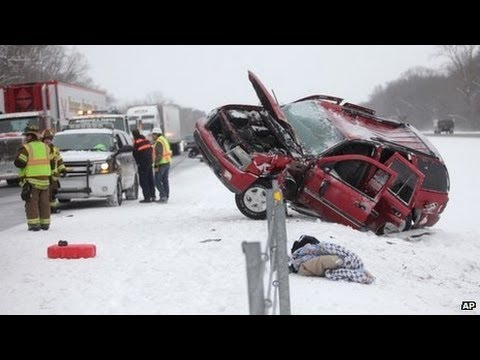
[[166, 155], [38, 168]]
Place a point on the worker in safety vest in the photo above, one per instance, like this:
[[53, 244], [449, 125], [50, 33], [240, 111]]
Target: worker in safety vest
[[142, 152], [34, 159], [57, 170], [162, 156]]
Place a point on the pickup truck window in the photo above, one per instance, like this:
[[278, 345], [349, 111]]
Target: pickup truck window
[[87, 142]]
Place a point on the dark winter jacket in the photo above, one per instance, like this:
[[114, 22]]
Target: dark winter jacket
[[142, 151]]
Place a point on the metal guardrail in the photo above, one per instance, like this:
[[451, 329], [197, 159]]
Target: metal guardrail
[[275, 255]]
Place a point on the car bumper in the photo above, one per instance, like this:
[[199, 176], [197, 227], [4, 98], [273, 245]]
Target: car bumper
[[78, 187]]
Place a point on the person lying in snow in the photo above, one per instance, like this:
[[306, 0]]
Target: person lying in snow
[[311, 257]]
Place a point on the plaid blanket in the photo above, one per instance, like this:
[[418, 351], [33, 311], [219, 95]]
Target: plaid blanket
[[351, 270]]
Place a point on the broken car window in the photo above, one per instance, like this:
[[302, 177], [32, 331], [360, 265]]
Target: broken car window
[[311, 124]]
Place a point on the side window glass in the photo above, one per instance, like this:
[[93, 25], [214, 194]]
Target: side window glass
[[376, 183], [120, 141], [405, 183], [350, 171], [361, 175]]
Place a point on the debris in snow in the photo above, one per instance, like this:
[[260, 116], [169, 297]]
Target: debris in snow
[[210, 240]]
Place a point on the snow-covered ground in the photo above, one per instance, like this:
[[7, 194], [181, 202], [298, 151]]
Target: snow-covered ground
[[153, 258]]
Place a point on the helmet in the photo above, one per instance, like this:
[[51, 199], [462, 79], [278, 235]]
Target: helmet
[[47, 134], [31, 130], [157, 130]]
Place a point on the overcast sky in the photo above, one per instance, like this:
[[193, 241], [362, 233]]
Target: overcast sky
[[205, 77]]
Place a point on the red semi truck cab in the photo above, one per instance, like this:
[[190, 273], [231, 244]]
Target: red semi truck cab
[[47, 104]]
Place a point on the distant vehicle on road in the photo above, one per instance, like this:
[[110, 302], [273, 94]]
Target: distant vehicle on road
[[166, 117], [443, 126], [191, 146]]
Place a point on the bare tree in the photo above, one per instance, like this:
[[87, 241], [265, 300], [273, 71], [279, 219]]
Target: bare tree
[[464, 66], [31, 63]]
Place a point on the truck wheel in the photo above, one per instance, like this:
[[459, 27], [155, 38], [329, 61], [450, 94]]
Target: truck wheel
[[253, 202], [132, 193], [116, 198], [13, 182]]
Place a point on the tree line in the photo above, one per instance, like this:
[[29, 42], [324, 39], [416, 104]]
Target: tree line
[[36, 63], [421, 95]]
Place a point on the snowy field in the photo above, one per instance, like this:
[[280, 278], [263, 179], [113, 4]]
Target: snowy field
[[153, 258]]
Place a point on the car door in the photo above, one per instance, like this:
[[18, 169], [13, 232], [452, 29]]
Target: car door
[[124, 161], [402, 191], [345, 188], [132, 164]]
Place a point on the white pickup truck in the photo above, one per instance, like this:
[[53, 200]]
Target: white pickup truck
[[99, 165]]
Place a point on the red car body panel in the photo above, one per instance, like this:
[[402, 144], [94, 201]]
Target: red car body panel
[[371, 173]]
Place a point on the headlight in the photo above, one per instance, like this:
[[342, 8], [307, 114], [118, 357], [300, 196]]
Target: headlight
[[102, 168]]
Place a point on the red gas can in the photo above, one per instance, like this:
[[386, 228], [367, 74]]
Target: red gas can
[[65, 251]]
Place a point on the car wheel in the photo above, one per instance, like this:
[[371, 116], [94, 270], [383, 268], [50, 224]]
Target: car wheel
[[132, 193], [116, 198], [253, 202]]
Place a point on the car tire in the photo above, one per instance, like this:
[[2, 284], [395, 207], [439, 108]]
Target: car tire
[[116, 198], [253, 201], [132, 193]]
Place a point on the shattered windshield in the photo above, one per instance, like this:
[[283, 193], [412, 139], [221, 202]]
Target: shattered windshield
[[315, 132]]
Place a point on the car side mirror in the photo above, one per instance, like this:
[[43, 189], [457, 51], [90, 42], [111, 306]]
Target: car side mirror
[[125, 149]]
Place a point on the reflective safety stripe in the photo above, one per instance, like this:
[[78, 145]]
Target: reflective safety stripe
[[35, 221], [145, 146], [44, 221], [39, 184]]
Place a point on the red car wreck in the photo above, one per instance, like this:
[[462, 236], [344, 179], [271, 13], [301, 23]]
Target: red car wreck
[[333, 160]]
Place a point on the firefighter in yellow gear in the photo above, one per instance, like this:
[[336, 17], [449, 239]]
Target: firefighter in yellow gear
[[34, 159], [57, 170]]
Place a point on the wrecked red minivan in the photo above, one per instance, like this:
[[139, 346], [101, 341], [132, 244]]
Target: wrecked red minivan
[[333, 160]]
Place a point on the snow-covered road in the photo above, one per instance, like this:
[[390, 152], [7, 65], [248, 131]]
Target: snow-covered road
[[151, 258]]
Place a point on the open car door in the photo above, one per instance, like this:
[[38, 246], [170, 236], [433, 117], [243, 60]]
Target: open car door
[[345, 188], [402, 191]]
